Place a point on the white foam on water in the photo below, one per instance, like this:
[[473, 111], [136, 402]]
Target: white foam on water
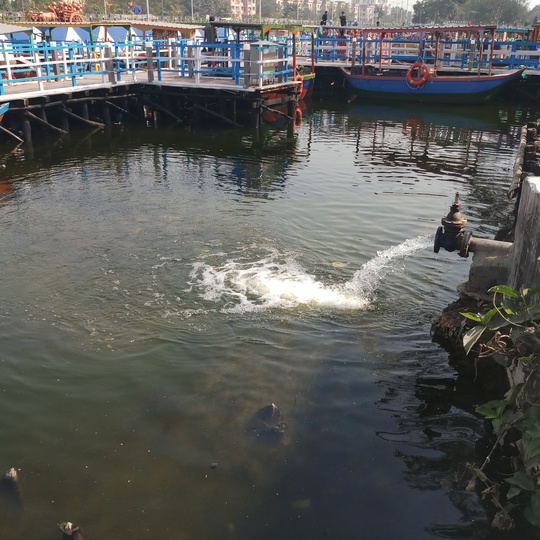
[[279, 281]]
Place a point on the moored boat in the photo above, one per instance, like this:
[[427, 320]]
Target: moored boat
[[3, 110], [425, 80], [308, 82]]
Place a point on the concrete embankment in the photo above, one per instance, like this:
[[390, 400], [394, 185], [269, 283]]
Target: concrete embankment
[[514, 263]]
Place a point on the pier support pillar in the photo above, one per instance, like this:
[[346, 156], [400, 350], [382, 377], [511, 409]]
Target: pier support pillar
[[27, 130], [64, 122], [105, 113]]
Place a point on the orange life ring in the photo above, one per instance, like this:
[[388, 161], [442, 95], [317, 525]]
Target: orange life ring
[[299, 78], [421, 78], [297, 116]]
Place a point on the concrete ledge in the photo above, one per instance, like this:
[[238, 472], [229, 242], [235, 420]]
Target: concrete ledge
[[525, 267]]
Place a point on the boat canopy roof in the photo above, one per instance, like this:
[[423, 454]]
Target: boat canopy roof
[[13, 28], [262, 27]]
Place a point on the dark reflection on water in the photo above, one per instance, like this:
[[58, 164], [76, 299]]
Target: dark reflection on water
[[161, 287]]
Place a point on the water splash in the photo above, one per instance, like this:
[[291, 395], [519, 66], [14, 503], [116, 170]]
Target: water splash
[[279, 281], [366, 280]]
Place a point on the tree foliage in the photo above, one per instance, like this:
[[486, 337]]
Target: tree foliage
[[500, 12]]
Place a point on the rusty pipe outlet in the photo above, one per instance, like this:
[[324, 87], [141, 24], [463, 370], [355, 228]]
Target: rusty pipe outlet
[[451, 235]]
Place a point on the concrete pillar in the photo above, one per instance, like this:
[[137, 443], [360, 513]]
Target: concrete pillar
[[489, 267], [525, 269]]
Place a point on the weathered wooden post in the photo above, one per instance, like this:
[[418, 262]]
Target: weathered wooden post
[[55, 60], [149, 62], [109, 64], [525, 269]]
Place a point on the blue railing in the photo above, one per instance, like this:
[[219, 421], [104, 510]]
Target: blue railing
[[452, 53], [249, 65]]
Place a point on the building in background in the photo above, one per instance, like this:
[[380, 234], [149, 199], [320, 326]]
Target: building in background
[[365, 12]]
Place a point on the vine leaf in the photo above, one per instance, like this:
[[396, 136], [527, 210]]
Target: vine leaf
[[521, 480], [504, 289], [471, 337], [532, 512]]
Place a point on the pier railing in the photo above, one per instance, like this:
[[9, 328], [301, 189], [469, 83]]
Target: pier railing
[[249, 65], [243, 64]]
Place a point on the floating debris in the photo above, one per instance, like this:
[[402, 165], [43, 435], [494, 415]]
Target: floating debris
[[70, 531]]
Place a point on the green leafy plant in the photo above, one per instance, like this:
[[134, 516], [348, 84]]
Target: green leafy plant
[[511, 309], [513, 317]]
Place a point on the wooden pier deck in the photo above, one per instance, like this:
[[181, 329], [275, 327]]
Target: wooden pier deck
[[51, 88]]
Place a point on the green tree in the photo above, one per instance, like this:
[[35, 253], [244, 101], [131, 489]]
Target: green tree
[[534, 14], [289, 10], [435, 11], [500, 12], [270, 9], [306, 14]]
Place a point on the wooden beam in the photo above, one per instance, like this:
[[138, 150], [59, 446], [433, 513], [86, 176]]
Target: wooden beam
[[114, 105], [217, 115], [83, 120], [44, 123], [5, 130], [162, 109]]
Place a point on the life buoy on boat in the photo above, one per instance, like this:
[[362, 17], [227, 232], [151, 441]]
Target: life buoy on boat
[[297, 116], [299, 78], [422, 76]]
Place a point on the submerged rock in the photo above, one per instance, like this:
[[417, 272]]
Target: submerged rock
[[268, 424], [10, 489]]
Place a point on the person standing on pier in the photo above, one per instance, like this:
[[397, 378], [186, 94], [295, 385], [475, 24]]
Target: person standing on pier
[[342, 22], [209, 37], [324, 19], [209, 32]]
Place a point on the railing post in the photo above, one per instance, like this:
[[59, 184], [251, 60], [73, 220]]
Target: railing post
[[281, 64], [247, 66], [55, 58], [109, 65], [197, 65], [513, 55], [158, 60], [7, 61], [259, 56], [149, 62], [46, 60], [173, 60], [38, 71], [72, 66], [235, 63]]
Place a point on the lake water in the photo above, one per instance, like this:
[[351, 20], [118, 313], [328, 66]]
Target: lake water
[[159, 287]]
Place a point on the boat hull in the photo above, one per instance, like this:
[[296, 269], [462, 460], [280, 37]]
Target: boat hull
[[3, 110], [308, 82], [462, 89]]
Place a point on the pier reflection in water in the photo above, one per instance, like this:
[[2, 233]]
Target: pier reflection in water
[[160, 287]]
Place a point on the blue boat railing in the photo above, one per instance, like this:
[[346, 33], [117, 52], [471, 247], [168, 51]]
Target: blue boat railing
[[452, 53], [251, 65]]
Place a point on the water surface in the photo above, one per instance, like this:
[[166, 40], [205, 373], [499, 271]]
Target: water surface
[[160, 287]]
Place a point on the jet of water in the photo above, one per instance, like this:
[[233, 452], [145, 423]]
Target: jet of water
[[278, 281]]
